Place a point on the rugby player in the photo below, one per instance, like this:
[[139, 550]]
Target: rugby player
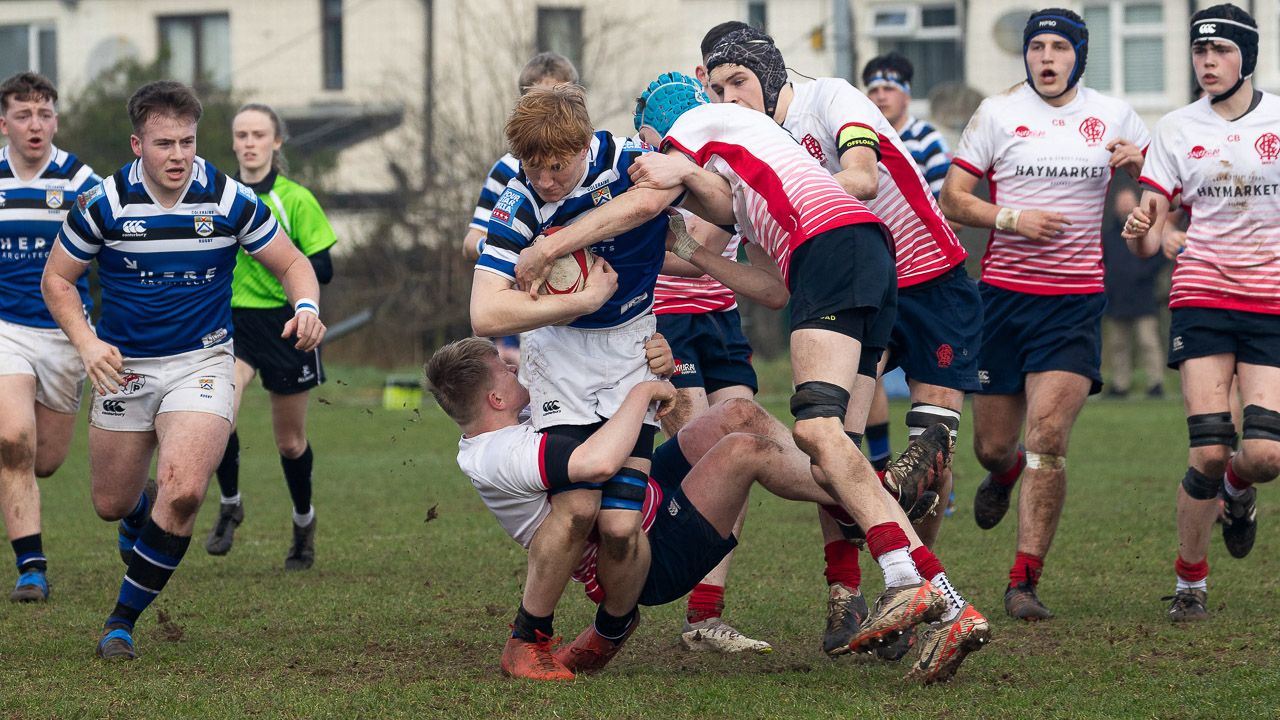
[[258, 309], [835, 256], [1050, 146], [41, 377], [543, 70], [164, 230], [700, 479], [935, 336], [1220, 153], [577, 374], [699, 317]]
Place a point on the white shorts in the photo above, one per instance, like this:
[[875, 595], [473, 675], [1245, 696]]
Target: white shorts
[[580, 377], [196, 381], [47, 354]]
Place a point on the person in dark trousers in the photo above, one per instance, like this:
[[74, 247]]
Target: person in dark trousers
[[1130, 283]]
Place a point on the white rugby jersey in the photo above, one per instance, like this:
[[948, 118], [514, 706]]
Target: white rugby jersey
[[1228, 172], [509, 469], [672, 294], [1039, 157], [781, 196], [925, 245]]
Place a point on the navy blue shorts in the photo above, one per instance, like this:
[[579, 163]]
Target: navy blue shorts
[[1026, 333], [284, 369], [683, 546], [844, 280], [938, 335], [1253, 337], [710, 350]]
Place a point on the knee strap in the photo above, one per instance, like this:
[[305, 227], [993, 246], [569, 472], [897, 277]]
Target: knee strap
[[1261, 423], [624, 491], [921, 416], [817, 399], [1212, 429], [1045, 461], [1200, 486]]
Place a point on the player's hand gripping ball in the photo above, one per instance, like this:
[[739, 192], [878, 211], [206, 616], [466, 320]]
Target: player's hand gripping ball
[[568, 272]]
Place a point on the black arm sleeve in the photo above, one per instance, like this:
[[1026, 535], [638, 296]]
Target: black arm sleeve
[[555, 460], [323, 265]]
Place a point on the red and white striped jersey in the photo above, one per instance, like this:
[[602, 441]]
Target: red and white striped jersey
[[1039, 157], [1228, 172], [508, 468], [673, 294], [925, 245], [781, 195]]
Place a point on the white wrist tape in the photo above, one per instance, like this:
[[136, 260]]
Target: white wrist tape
[[306, 305], [1007, 220]]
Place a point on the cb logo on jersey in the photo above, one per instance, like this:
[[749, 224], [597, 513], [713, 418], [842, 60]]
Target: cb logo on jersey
[[1093, 129], [134, 227], [551, 406], [1268, 147]]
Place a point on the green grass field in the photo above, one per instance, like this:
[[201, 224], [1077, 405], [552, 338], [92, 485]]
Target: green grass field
[[415, 583]]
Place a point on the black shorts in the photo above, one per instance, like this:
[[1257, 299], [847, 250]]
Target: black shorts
[[844, 280], [284, 369], [937, 337], [1253, 337], [683, 545], [710, 350], [1025, 333]]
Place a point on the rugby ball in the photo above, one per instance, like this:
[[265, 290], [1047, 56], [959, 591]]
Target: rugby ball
[[568, 272]]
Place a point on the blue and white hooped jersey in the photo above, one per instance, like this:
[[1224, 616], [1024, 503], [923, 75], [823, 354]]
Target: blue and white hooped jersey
[[166, 272], [31, 213], [495, 182], [636, 255]]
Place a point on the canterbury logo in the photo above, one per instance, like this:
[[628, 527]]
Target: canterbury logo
[[551, 406], [1208, 28], [134, 227], [113, 407]]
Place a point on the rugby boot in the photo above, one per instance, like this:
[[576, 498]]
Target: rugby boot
[[223, 532], [1188, 605], [898, 610], [716, 635], [944, 646], [1020, 602], [303, 551], [846, 611], [590, 651], [1240, 521], [918, 468], [898, 649], [116, 643], [991, 501], [129, 533], [32, 587], [533, 660]]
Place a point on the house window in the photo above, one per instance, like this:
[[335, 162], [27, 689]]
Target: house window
[[928, 35], [560, 31], [331, 28], [29, 47], [197, 50], [757, 17], [1126, 48]]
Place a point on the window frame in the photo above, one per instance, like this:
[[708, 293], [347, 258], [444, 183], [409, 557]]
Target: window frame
[[1122, 32], [327, 22], [541, 39], [203, 80], [34, 46]]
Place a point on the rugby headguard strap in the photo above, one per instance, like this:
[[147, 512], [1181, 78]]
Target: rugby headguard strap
[[755, 51], [666, 99], [1056, 21], [1213, 23]]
